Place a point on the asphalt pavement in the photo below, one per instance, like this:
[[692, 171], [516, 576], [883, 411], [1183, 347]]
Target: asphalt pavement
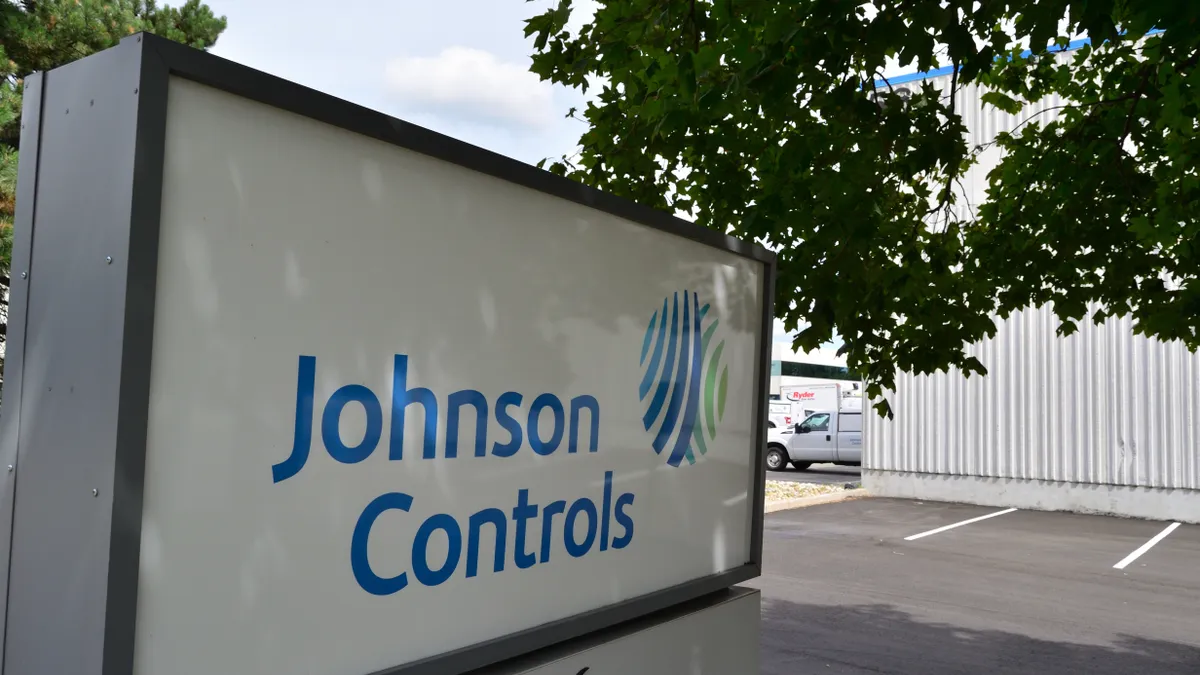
[[1020, 593], [819, 473]]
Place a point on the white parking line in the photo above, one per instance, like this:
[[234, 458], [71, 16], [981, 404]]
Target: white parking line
[[1146, 547], [965, 522]]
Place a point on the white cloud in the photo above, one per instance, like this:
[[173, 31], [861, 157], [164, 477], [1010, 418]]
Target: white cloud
[[475, 84]]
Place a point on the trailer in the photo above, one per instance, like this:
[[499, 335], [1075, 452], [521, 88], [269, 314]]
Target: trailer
[[806, 398]]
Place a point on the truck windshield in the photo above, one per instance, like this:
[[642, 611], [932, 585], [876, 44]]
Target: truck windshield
[[817, 422]]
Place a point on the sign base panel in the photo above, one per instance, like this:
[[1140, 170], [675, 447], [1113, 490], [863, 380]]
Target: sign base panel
[[714, 635]]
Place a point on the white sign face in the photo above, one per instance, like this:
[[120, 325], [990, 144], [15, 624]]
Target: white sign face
[[400, 408]]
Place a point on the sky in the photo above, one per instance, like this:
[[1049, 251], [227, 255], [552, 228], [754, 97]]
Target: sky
[[459, 67]]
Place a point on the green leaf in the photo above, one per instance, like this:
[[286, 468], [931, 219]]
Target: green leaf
[[764, 114], [1002, 101]]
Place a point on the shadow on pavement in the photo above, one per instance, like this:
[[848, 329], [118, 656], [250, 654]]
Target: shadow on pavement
[[857, 639]]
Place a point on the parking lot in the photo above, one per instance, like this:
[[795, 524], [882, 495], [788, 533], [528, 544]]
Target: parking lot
[[923, 588]]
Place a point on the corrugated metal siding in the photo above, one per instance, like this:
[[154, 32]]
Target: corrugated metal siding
[[1102, 406]]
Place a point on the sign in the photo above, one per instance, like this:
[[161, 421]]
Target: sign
[[405, 402], [469, 396], [718, 638]]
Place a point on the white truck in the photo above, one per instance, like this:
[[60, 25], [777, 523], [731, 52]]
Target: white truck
[[830, 436]]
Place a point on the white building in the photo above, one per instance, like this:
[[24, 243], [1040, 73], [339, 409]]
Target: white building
[[789, 367], [1102, 421]]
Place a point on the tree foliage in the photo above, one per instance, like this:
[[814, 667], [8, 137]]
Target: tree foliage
[[772, 121], [38, 35]]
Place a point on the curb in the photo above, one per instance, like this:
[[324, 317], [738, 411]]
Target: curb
[[801, 502]]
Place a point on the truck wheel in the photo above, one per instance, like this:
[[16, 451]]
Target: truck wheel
[[777, 459], [802, 466]]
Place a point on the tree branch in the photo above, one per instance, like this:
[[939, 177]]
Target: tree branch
[[1078, 132], [1064, 106], [695, 29], [1137, 97], [878, 74], [944, 201]]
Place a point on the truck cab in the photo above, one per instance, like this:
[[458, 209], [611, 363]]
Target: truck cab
[[824, 437]]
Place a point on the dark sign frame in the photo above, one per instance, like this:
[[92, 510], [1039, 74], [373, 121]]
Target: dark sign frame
[[81, 321]]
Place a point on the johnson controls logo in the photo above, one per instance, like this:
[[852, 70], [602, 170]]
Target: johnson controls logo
[[531, 524], [683, 383]]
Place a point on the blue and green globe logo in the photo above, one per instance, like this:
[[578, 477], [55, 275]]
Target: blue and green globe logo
[[683, 383]]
